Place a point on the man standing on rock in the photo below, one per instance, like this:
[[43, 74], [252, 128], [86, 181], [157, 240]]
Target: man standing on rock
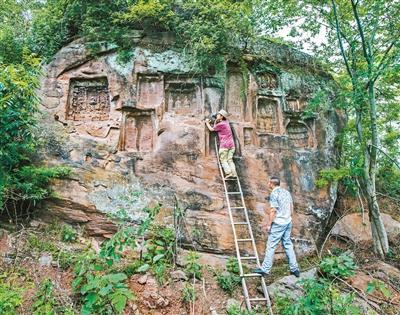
[[279, 228], [226, 142]]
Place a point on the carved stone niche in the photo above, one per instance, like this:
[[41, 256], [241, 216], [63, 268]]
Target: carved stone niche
[[298, 134], [234, 96], [150, 91], [248, 135], [138, 132], [88, 100], [182, 97], [267, 115], [296, 105], [267, 80]]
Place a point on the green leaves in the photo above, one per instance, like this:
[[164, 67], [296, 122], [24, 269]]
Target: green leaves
[[341, 266], [380, 286], [193, 268]]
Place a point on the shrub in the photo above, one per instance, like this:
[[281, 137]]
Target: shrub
[[320, 297], [102, 292], [188, 293], [193, 268], [10, 297], [46, 303], [228, 282], [68, 233], [341, 266], [232, 266]]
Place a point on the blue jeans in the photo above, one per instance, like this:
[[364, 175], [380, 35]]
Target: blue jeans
[[279, 233]]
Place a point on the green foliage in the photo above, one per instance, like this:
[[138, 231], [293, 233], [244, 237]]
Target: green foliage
[[380, 286], [234, 309], [188, 293], [149, 15], [228, 282], [46, 303], [102, 292], [159, 254], [320, 297], [341, 266], [193, 268], [111, 249], [10, 297], [328, 176], [232, 265], [21, 183], [68, 233]]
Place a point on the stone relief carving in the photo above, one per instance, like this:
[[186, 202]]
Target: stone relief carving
[[247, 136], [233, 96], [298, 134], [267, 80], [296, 105], [138, 132], [88, 100], [150, 91], [181, 97], [267, 116]]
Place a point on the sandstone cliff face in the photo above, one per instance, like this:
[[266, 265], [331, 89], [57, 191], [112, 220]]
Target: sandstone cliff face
[[134, 135]]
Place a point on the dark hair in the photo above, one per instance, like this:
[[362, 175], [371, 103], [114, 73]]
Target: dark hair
[[275, 180]]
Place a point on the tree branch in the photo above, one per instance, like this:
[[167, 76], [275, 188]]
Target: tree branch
[[381, 65], [338, 32], [361, 32]]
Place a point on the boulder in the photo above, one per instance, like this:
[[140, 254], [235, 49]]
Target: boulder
[[357, 227]]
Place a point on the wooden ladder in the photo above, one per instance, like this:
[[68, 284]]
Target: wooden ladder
[[241, 206]]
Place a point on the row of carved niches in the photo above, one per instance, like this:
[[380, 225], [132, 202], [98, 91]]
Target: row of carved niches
[[182, 95], [88, 100], [138, 132]]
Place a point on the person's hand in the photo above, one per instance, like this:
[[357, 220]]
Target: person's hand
[[268, 228], [207, 120]]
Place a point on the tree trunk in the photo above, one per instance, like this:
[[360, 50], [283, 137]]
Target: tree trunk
[[379, 235]]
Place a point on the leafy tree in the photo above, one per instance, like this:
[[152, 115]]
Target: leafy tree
[[21, 184], [363, 41]]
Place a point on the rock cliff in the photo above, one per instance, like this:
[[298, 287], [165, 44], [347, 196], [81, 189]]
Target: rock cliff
[[133, 133]]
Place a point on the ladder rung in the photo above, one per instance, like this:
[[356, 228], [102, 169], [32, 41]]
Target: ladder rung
[[252, 275], [240, 223], [231, 178], [245, 240], [258, 299], [248, 258], [237, 207], [234, 193]]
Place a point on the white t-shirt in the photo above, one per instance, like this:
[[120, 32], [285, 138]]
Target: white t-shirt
[[282, 201]]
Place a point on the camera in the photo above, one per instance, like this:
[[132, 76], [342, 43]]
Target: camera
[[214, 115]]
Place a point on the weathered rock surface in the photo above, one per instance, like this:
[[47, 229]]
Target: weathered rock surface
[[290, 286], [133, 134], [357, 227]]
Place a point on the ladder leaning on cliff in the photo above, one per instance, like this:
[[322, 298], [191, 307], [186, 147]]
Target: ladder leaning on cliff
[[241, 206]]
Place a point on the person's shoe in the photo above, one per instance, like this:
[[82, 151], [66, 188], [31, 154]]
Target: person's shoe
[[296, 273], [260, 271], [229, 176]]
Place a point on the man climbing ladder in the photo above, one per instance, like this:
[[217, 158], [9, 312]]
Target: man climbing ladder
[[226, 142], [242, 232]]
